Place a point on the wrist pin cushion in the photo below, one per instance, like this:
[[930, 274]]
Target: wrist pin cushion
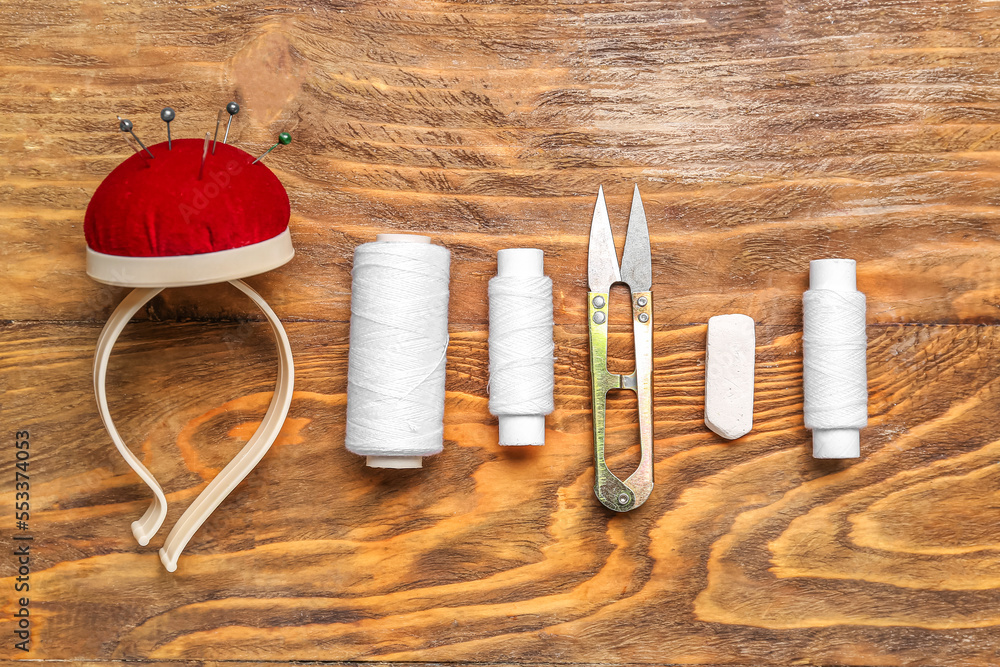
[[181, 213]]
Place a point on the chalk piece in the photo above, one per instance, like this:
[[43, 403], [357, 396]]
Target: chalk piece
[[729, 360]]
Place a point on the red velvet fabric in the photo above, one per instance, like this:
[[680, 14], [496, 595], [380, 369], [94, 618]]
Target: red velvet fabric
[[157, 207]]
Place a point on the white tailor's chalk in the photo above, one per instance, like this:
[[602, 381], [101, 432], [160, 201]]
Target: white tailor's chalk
[[729, 359]]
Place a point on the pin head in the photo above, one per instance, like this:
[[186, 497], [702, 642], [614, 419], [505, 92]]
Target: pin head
[[233, 108], [283, 140], [167, 114], [125, 125]]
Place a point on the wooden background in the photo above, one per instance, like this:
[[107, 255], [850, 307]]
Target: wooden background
[[762, 133]]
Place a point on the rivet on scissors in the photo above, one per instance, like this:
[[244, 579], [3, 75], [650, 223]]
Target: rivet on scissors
[[623, 499], [642, 301], [599, 317], [643, 317], [598, 302]]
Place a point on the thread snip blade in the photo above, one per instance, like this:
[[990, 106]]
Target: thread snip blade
[[602, 259], [637, 267]]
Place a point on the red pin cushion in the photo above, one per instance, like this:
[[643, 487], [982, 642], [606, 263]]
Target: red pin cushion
[[153, 223]]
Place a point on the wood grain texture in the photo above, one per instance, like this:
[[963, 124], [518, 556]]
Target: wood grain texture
[[762, 133], [747, 552]]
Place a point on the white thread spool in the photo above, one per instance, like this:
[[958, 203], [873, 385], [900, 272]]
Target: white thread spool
[[522, 376], [398, 350], [834, 373]]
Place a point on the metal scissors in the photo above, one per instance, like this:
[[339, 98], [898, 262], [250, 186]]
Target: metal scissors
[[636, 272]]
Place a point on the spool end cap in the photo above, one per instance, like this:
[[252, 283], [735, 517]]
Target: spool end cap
[[521, 262], [396, 462], [402, 238], [519, 430], [839, 275], [837, 443]]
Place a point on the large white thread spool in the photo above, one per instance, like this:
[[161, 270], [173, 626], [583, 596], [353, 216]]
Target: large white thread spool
[[522, 376], [834, 372], [398, 350]]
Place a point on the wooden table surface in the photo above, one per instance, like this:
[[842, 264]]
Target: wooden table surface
[[762, 133]]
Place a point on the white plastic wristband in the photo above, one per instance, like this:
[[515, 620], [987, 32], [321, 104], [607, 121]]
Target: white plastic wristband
[[234, 472]]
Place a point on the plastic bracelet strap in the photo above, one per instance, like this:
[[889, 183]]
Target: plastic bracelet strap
[[234, 472]]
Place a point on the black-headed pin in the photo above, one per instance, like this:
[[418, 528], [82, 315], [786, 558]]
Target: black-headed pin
[[166, 115], [232, 109], [125, 125]]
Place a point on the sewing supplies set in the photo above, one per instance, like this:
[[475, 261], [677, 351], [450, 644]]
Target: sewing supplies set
[[196, 212]]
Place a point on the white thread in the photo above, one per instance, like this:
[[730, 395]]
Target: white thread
[[834, 373], [522, 376], [398, 350]]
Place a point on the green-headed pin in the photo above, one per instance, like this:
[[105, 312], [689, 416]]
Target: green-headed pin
[[283, 139]]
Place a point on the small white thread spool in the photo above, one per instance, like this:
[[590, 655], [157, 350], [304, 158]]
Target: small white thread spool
[[398, 351], [522, 375], [834, 373]]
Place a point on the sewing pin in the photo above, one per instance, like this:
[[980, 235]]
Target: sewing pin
[[128, 142], [204, 154], [232, 109], [218, 119], [125, 125], [166, 115], [283, 139]]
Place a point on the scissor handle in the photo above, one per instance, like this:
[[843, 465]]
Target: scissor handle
[[612, 492], [641, 481]]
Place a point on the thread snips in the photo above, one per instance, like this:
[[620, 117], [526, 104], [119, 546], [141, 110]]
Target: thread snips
[[636, 272]]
